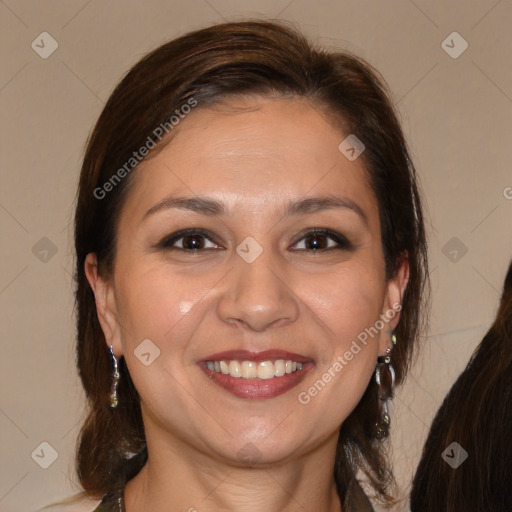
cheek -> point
(348, 305)
(346, 302)
(156, 303)
(161, 307)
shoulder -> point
(73, 504)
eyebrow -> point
(207, 206)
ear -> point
(106, 306)
(392, 304)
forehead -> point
(250, 153)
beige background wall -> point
(457, 114)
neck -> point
(180, 478)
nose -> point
(258, 295)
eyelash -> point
(343, 243)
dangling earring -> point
(115, 380)
(385, 379)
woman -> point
(466, 462)
(250, 244)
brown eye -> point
(322, 240)
(189, 240)
(193, 242)
(316, 242)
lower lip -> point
(256, 388)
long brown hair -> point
(477, 415)
(209, 65)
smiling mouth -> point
(256, 375)
(251, 369)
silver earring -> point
(115, 380)
(385, 379)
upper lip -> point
(256, 356)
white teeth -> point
(251, 370)
(279, 368)
(266, 370)
(234, 369)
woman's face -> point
(249, 283)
